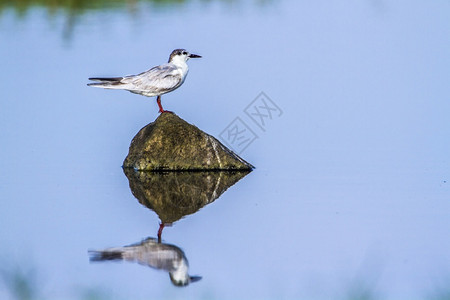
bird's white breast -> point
(182, 68)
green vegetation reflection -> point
(78, 6)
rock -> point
(170, 143)
(173, 195)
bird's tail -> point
(106, 82)
(105, 255)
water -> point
(350, 196)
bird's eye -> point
(184, 53)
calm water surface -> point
(350, 198)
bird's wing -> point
(153, 254)
(158, 79)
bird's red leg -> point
(161, 227)
(161, 109)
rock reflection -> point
(154, 254)
(173, 195)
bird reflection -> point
(154, 254)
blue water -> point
(350, 196)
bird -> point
(150, 252)
(157, 81)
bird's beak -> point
(194, 56)
(195, 278)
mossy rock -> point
(170, 143)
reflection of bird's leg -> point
(161, 227)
